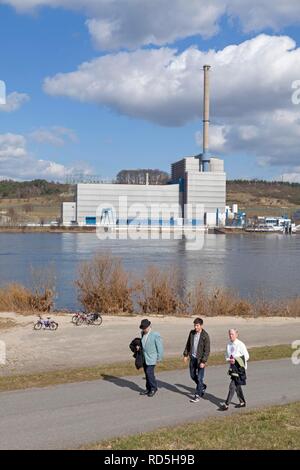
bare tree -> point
(139, 176)
(43, 288)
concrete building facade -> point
(195, 196)
(68, 213)
(126, 204)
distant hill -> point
(26, 189)
(37, 201)
(41, 200)
(264, 197)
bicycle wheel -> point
(37, 326)
(74, 318)
(53, 325)
(79, 321)
(98, 321)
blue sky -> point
(138, 102)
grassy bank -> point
(122, 369)
(276, 427)
(263, 197)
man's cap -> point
(144, 324)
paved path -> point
(70, 415)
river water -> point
(250, 264)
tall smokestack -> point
(206, 97)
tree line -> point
(27, 189)
(139, 176)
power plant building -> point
(196, 194)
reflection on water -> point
(250, 264)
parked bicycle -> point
(75, 317)
(88, 318)
(47, 324)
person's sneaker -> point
(224, 406)
(241, 405)
(144, 392)
(195, 399)
(152, 393)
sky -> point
(97, 86)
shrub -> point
(104, 286)
(160, 293)
(19, 299)
(222, 302)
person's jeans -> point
(151, 383)
(197, 375)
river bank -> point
(29, 351)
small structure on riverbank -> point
(272, 224)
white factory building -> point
(196, 194)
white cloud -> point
(12, 146)
(217, 138)
(257, 15)
(14, 101)
(140, 22)
(56, 136)
(273, 138)
(165, 87)
(16, 162)
(292, 177)
(251, 109)
(150, 84)
(251, 82)
(2, 92)
(132, 23)
(51, 170)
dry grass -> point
(222, 302)
(45, 208)
(15, 298)
(273, 428)
(19, 299)
(264, 198)
(292, 307)
(104, 286)
(159, 293)
(43, 287)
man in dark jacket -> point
(197, 349)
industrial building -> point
(196, 194)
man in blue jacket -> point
(152, 353)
